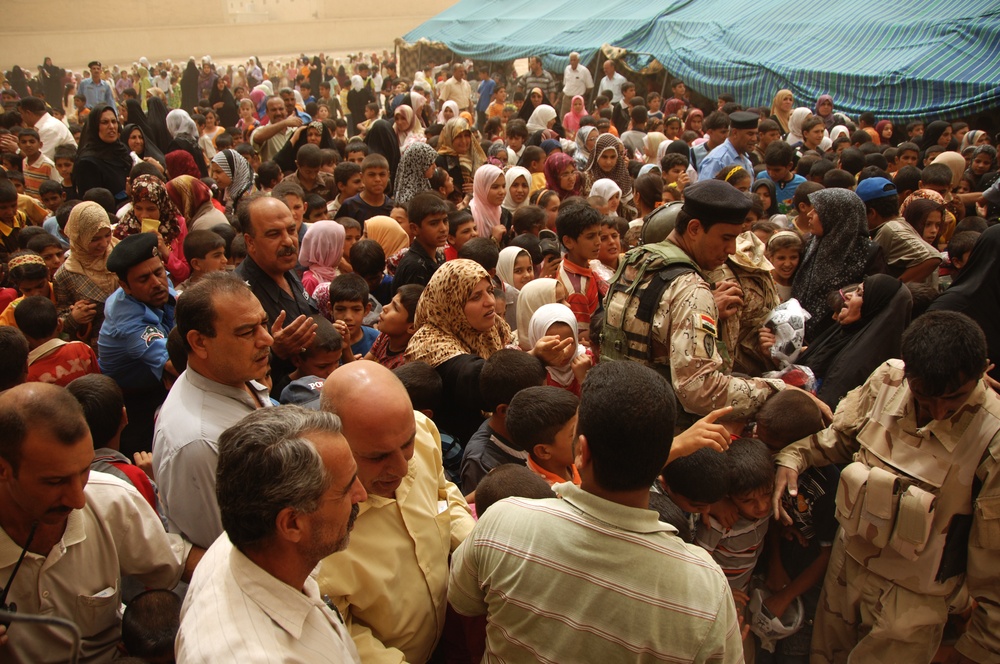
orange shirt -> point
(552, 478)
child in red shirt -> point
(50, 359)
(579, 230)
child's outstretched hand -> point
(706, 432)
(581, 365)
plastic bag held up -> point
(788, 323)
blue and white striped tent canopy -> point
(899, 58)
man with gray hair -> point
(577, 80)
(288, 492)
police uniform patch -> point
(151, 334)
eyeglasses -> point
(568, 174)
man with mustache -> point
(82, 531)
(223, 329)
(391, 585)
(269, 268)
(132, 345)
(288, 492)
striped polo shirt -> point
(582, 579)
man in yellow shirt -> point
(391, 584)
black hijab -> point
(156, 119)
(18, 81)
(316, 76)
(189, 87)
(229, 114)
(845, 355)
(381, 139)
(836, 259)
(931, 135)
(101, 164)
(976, 292)
(285, 158)
(150, 149)
(137, 116)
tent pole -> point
(593, 95)
(663, 90)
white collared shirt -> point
(235, 611)
(115, 533)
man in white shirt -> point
(51, 132)
(612, 81)
(81, 531)
(224, 329)
(576, 81)
(457, 89)
(288, 492)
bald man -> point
(391, 584)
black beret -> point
(715, 201)
(131, 251)
(743, 120)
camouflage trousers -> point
(864, 618)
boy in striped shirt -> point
(736, 549)
(37, 168)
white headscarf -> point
(179, 123)
(535, 293)
(357, 83)
(545, 317)
(606, 188)
(505, 263)
(540, 118)
(448, 104)
(838, 131)
(795, 121)
(512, 174)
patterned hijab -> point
(471, 160)
(410, 179)
(149, 188)
(236, 167)
(85, 221)
(555, 164)
(619, 174)
(443, 330)
(188, 193)
(834, 260)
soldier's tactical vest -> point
(644, 273)
(905, 504)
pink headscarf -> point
(571, 121)
(322, 249)
(487, 216)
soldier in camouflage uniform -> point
(683, 331)
(919, 506)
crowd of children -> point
(545, 207)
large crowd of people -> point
(261, 329)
